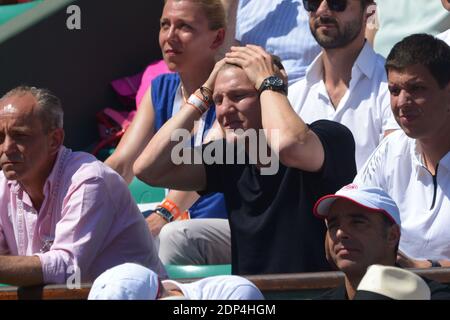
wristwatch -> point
(163, 213)
(435, 263)
(273, 83)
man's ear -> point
(394, 235)
(328, 254)
(371, 12)
(219, 39)
(56, 139)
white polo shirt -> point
(445, 36)
(365, 108)
(424, 201)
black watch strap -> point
(435, 263)
(164, 213)
(273, 83)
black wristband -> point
(435, 264)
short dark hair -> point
(422, 49)
(275, 59)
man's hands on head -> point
(257, 63)
(212, 77)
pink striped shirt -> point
(88, 221)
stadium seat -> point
(104, 153)
(197, 271)
(10, 11)
(143, 193)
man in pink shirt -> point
(63, 214)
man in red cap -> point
(363, 226)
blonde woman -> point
(191, 33)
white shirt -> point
(401, 18)
(217, 288)
(445, 36)
(365, 108)
(397, 167)
(282, 28)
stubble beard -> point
(338, 39)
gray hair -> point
(49, 105)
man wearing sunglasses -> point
(280, 27)
(346, 83)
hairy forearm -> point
(277, 114)
(21, 270)
(297, 146)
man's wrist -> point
(164, 213)
(273, 83)
(201, 99)
(434, 264)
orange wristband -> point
(184, 216)
(171, 207)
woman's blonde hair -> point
(214, 12)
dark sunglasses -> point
(334, 5)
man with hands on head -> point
(270, 214)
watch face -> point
(275, 81)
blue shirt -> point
(164, 88)
(281, 27)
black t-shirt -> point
(438, 291)
(273, 229)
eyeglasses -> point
(334, 5)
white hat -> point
(385, 283)
(371, 198)
(128, 281)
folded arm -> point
(21, 271)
